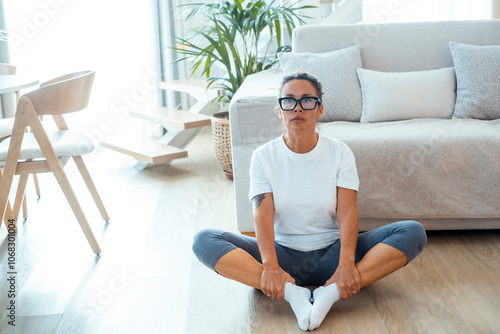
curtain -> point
(7, 101)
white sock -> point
(324, 298)
(299, 297)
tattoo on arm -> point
(257, 200)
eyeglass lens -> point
(307, 103)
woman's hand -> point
(347, 279)
(273, 283)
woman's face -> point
(299, 119)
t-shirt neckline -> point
(312, 153)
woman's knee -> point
(203, 241)
(416, 238)
(417, 230)
(210, 245)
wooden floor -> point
(148, 281)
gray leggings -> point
(313, 267)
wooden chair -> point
(6, 125)
(39, 151)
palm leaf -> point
(231, 36)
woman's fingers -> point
(269, 284)
(277, 291)
(344, 292)
(348, 289)
(283, 278)
(273, 283)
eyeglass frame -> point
(316, 100)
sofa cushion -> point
(393, 96)
(478, 81)
(336, 70)
(425, 168)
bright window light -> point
(117, 39)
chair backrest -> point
(7, 69)
(65, 94)
(64, 77)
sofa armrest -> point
(252, 113)
(253, 122)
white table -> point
(9, 84)
(14, 82)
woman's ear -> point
(320, 111)
(278, 110)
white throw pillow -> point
(393, 96)
(336, 71)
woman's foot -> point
(324, 298)
(299, 297)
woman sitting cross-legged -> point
(303, 187)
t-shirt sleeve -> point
(259, 181)
(347, 176)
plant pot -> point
(222, 142)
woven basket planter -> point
(222, 142)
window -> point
(118, 39)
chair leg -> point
(91, 186)
(37, 186)
(9, 214)
(57, 169)
(77, 209)
(23, 181)
(25, 208)
(20, 194)
(10, 169)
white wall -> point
(425, 10)
(117, 38)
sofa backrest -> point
(398, 47)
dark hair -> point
(302, 75)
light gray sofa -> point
(442, 172)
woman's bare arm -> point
(273, 278)
(263, 211)
(347, 276)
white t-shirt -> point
(304, 188)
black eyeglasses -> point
(307, 103)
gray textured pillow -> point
(478, 81)
(336, 70)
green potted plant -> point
(238, 38)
